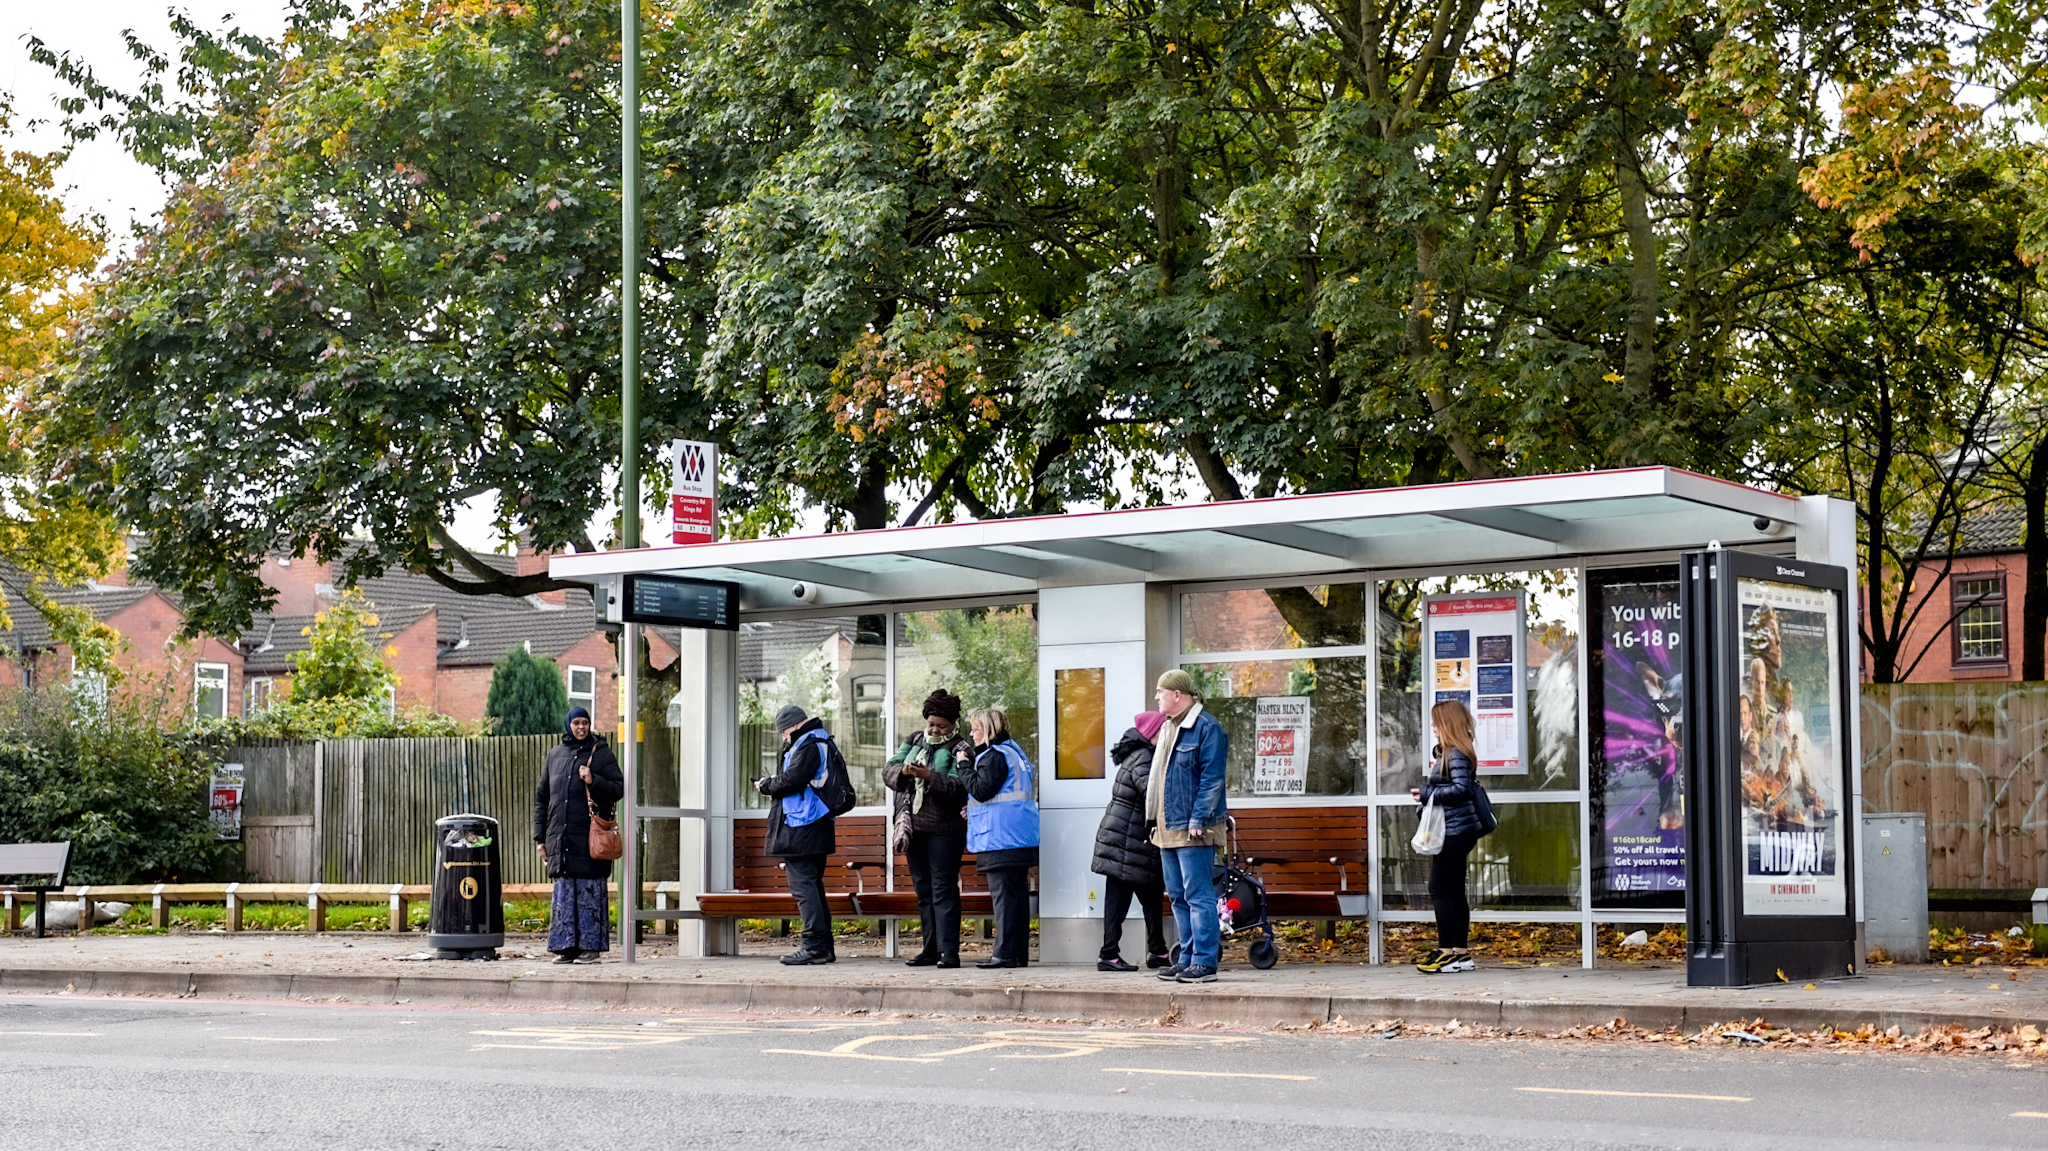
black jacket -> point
(1122, 849)
(561, 817)
(983, 778)
(1452, 785)
(816, 838)
(944, 811)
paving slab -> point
(373, 968)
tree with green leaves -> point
(911, 260)
(527, 696)
(341, 659)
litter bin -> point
(467, 920)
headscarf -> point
(575, 713)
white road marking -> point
(277, 1038)
(53, 1034)
(1207, 1074)
(1638, 1094)
(2030, 1115)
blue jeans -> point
(1191, 884)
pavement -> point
(386, 969)
(280, 1076)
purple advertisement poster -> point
(1639, 833)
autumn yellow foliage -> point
(44, 255)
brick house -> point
(1969, 619)
(442, 644)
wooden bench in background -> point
(1312, 860)
(855, 883)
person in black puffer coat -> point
(1453, 784)
(579, 929)
(1124, 854)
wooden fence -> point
(1970, 756)
(363, 810)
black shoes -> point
(925, 959)
(802, 958)
(943, 964)
(1116, 964)
(990, 963)
(1155, 962)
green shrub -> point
(527, 695)
(130, 796)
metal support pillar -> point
(629, 818)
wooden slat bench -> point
(854, 885)
(1313, 861)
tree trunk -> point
(2034, 609)
(1639, 364)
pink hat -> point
(1148, 723)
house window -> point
(210, 691)
(1979, 608)
(257, 695)
(583, 688)
(869, 694)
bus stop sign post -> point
(1770, 844)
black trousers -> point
(1447, 890)
(935, 872)
(1009, 889)
(1116, 904)
(807, 883)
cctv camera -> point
(1768, 526)
(807, 592)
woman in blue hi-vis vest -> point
(1002, 830)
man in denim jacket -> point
(1184, 803)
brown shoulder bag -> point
(604, 833)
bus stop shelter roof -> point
(1538, 520)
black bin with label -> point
(468, 916)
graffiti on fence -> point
(1971, 757)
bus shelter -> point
(1319, 627)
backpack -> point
(837, 791)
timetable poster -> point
(1792, 753)
(1473, 649)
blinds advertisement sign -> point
(1791, 751)
(1474, 649)
(1280, 766)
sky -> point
(100, 179)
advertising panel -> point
(1474, 646)
(1792, 753)
(1639, 781)
(1280, 765)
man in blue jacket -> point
(800, 827)
(1184, 804)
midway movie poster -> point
(1639, 786)
(1791, 753)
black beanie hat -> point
(944, 705)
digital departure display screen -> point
(682, 602)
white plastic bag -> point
(1429, 835)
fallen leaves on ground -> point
(1758, 1032)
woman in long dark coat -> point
(1124, 854)
(580, 928)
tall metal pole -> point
(629, 453)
